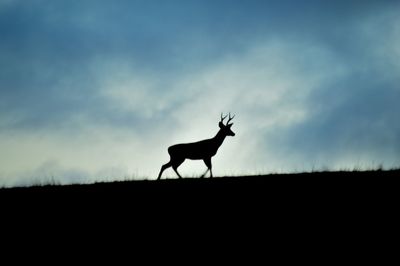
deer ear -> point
(229, 125)
(221, 125)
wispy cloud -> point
(101, 91)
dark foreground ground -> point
(323, 207)
(279, 188)
(332, 216)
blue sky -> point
(97, 90)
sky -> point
(97, 90)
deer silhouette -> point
(201, 150)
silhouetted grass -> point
(284, 199)
(256, 182)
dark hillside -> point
(325, 203)
(276, 187)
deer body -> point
(201, 150)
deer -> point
(201, 150)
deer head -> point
(226, 129)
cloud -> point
(354, 120)
(100, 91)
(269, 79)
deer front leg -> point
(207, 161)
(203, 175)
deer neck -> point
(219, 138)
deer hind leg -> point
(165, 166)
(207, 161)
(175, 164)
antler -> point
(222, 118)
(230, 118)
